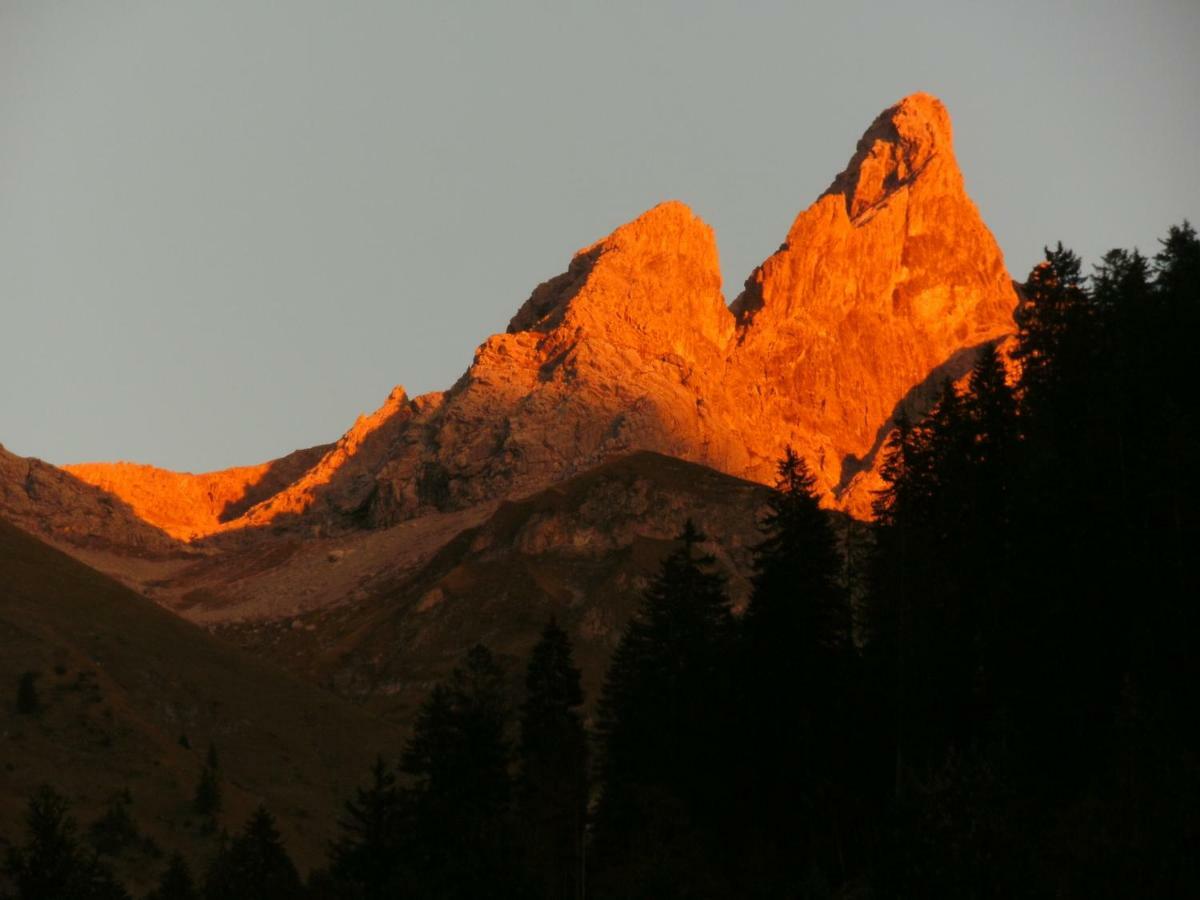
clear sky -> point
(226, 228)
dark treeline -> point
(1001, 707)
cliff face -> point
(63, 509)
(884, 286)
(618, 353)
(187, 506)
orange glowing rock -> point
(885, 285)
(187, 506)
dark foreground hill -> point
(120, 682)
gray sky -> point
(226, 228)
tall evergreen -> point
(921, 592)
(28, 702)
(553, 769)
(797, 679)
(254, 864)
(460, 841)
(797, 568)
(176, 882)
(1054, 326)
(368, 851)
(207, 799)
(661, 812)
(52, 864)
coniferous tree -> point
(207, 799)
(918, 588)
(798, 679)
(797, 568)
(368, 853)
(28, 702)
(254, 864)
(115, 830)
(986, 545)
(1053, 339)
(51, 864)
(552, 778)
(460, 841)
(1028, 607)
(176, 882)
(660, 809)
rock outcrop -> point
(332, 478)
(67, 511)
(617, 354)
(188, 506)
(883, 287)
(887, 284)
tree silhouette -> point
(797, 656)
(51, 864)
(552, 778)
(368, 852)
(661, 731)
(207, 799)
(176, 882)
(460, 840)
(115, 830)
(254, 864)
(28, 702)
(797, 568)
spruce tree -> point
(924, 620)
(552, 778)
(1052, 339)
(367, 853)
(797, 568)
(460, 842)
(176, 882)
(28, 702)
(115, 831)
(51, 864)
(207, 799)
(798, 681)
(661, 735)
(254, 864)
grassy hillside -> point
(119, 682)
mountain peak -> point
(887, 283)
(893, 151)
(669, 220)
(656, 270)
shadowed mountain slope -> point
(67, 511)
(582, 551)
(121, 680)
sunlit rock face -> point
(187, 506)
(328, 481)
(57, 506)
(884, 286)
(619, 353)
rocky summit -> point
(884, 286)
(887, 284)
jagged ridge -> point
(886, 283)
